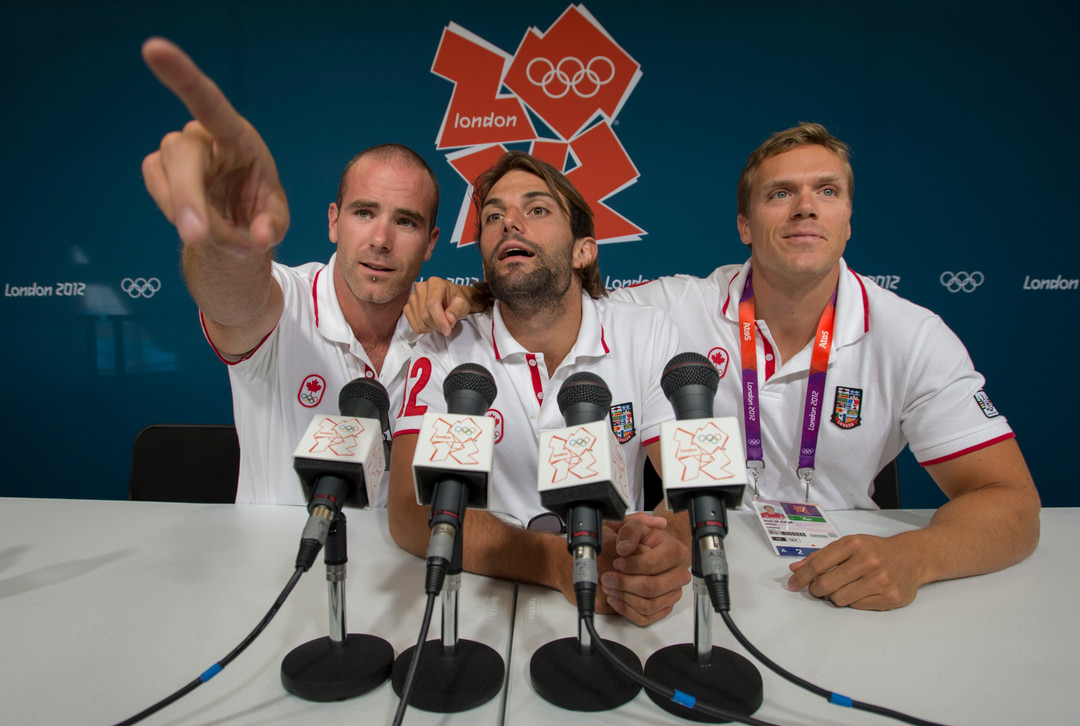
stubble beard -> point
(527, 293)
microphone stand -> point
(720, 676)
(571, 673)
(341, 665)
(454, 675)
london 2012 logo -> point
(574, 78)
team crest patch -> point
(847, 409)
(719, 358)
(622, 421)
(987, 406)
(311, 391)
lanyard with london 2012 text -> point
(815, 389)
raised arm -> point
(217, 183)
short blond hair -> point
(805, 134)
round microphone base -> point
(450, 680)
(729, 681)
(565, 676)
(331, 670)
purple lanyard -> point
(815, 388)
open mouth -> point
(514, 249)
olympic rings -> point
(578, 442)
(707, 439)
(140, 287)
(962, 281)
(565, 82)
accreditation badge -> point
(794, 529)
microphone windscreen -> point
(469, 388)
(689, 369)
(364, 398)
(584, 397)
(584, 387)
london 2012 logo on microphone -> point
(574, 78)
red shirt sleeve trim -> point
(223, 359)
(970, 449)
(653, 440)
(406, 431)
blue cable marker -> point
(839, 700)
(210, 672)
(684, 699)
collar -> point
(852, 306)
(590, 341)
(330, 321)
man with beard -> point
(546, 318)
(794, 318)
(291, 336)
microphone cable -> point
(721, 602)
(833, 698)
(684, 699)
(220, 665)
(586, 604)
(410, 676)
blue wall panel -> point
(959, 115)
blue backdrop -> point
(959, 115)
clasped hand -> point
(643, 569)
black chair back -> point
(185, 463)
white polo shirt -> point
(897, 376)
(626, 345)
(297, 373)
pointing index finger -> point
(177, 72)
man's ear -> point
(433, 238)
(585, 252)
(332, 218)
(744, 229)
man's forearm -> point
(490, 546)
(991, 520)
(978, 532)
(230, 291)
(493, 547)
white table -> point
(109, 606)
(997, 649)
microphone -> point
(452, 462)
(451, 471)
(340, 460)
(582, 476)
(699, 476)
